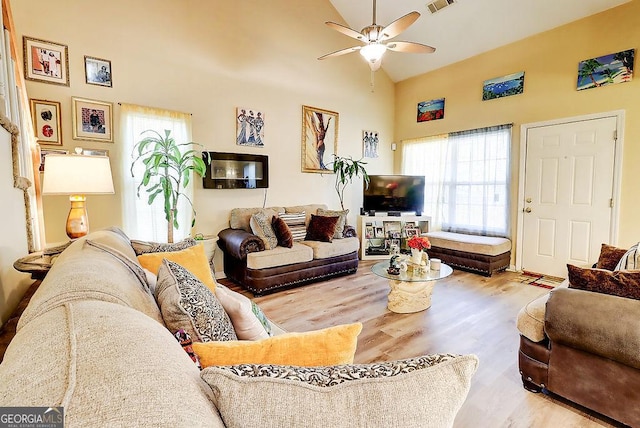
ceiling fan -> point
(377, 39)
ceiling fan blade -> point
(345, 30)
(341, 52)
(410, 47)
(399, 25)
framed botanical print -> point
(45, 61)
(97, 71)
(92, 120)
(46, 121)
(319, 139)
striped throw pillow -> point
(631, 259)
(295, 221)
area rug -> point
(539, 280)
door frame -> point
(617, 172)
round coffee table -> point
(410, 293)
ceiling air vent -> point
(439, 5)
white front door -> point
(568, 194)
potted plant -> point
(346, 169)
(167, 172)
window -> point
(467, 179)
(141, 220)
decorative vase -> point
(416, 256)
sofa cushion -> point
(282, 231)
(342, 220)
(280, 256)
(107, 365)
(321, 228)
(338, 247)
(84, 271)
(487, 245)
(186, 303)
(617, 283)
(418, 392)
(192, 258)
(240, 217)
(630, 260)
(329, 346)
(609, 257)
(296, 223)
(249, 322)
(261, 227)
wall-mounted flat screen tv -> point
(394, 193)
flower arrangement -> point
(419, 242)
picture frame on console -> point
(45, 152)
(92, 120)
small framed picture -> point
(46, 121)
(379, 232)
(45, 152)
(45, 61)
(95, 152)
(368, 232)
(97, 71)
(411, 233)
(92, 120)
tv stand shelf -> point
(378, 233)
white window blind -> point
(141, 220)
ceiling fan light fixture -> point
(373, 52)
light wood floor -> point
(469, 314)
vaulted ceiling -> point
(464, 29)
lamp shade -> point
(77, 175)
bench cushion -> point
(487, 245)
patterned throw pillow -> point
(247, 318)
(144, 247)
(616, 283)
(421, 392)
(342, 221)
(186, 303)
(285, 238)
(630, 260)
(321, 228)
(261, 226)
(609, 257)
(296, 224)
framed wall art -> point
(505, 86)
(47, 124)
(249, 127)
(606, 70)
(92, 120)
(97, 71)
(319, 139)
(45, 61)
(370, 143)
(431, 110)
(45, 152)
(95, 152)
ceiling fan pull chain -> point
(373, 80)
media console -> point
(378, 234)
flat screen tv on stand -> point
(394, 194)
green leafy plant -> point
(346, 169)
(167, 172)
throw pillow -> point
(342, 220)
(424, 392)
(609, 257)
(329, 346)
(296, 224)
(285, 238)
(247, 318)
(261, 226)
(193, 259)
(144, 247)
(617, 283)
(630, 260)
(321, 228)
(185, 303)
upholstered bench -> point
(481, 254)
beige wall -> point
(207, 58)
(550, 61)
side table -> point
(36, 264)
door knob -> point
(527, 210)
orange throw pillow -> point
(326, 347)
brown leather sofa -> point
(585, 347)
(244, 253)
